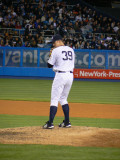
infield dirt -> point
(76, 109)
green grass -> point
(95, 92)
(40, 90)
(11, 121)
(24, 89)
(52, 152)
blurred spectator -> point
(18, 26)
(81, 26)
(78, 17)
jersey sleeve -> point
(52, 58)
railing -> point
(22, 31)
(34, 32)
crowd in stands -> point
(32, 23)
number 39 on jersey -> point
(67, 55)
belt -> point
(64, 71)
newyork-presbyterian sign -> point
(97, 73)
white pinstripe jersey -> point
(62, 58)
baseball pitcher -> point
(62, 61)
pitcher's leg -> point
(65, 93)
(65, 108)
(63, 99)
(53, 111)
(57, 89)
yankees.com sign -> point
(31, 58)
(97, 60)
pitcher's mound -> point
(74, 136)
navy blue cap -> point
(56, 38)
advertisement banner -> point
(1, 57)
(30, 57)
(96, 73)
(38, 57)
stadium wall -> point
(22, 61)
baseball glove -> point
(51, 52)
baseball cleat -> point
(65, 124)
(48, 125)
